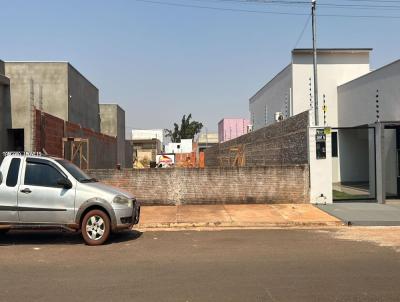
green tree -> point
(187, 130)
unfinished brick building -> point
(53, 108)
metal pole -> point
(314, 34)
(206, 137)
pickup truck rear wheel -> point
(95, 227)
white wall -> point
(357, 99)
(357, 106)
(292, 85)
(334, 69)
(320, 171)
(390, 161)
(272, 95)
(354, 155)
(139, 134)
(185, 146)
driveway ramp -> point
(364, 214)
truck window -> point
(39, 174)
(77, 173)
(12, 175)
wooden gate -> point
(76, 150)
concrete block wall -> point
(83, 100)
(283, 143)
(112, 122)
(128, 154)
(5, 109)
(54, 87)
(40, 84)
(273, 184)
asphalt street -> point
(229, 265)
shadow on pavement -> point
(124, 236)
(55, 237)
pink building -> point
(229, 128)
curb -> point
(224, 225)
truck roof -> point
(28, 154)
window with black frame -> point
(40, 174)
(12, 175)
(334, 144)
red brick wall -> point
(201, 159)
(273, 184)
(74, 130)
(49, 131)
(187, 160)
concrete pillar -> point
(320, 170)
(371, 161)
(380, 163)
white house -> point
(184, 146)
(362, 109)
(372, 104)
(289, 91)
(148, 134)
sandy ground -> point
(381, 236)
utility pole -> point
(314, 39)
(206, 137)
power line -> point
(359, 6)
(360, 16)
(255, 2)
(302, 32)
(277, 1)
(221, 8)
(306, 4)
(373, 1)
(266, 12)
(268, 1)
(377, 4)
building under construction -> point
(51, 107)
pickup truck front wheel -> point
(95, 227)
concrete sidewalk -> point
(189, 216)
(365, 214)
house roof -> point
(53, 62)
(331, 50)
(251, 100)
(371, 73)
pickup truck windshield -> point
(77, 173)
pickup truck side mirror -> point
(65, 183)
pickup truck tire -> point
(96, 227)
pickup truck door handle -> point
(26, 191)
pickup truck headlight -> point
(121, 200)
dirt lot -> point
(382, 236)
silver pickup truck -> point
(40, 191)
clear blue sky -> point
(162, 61)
